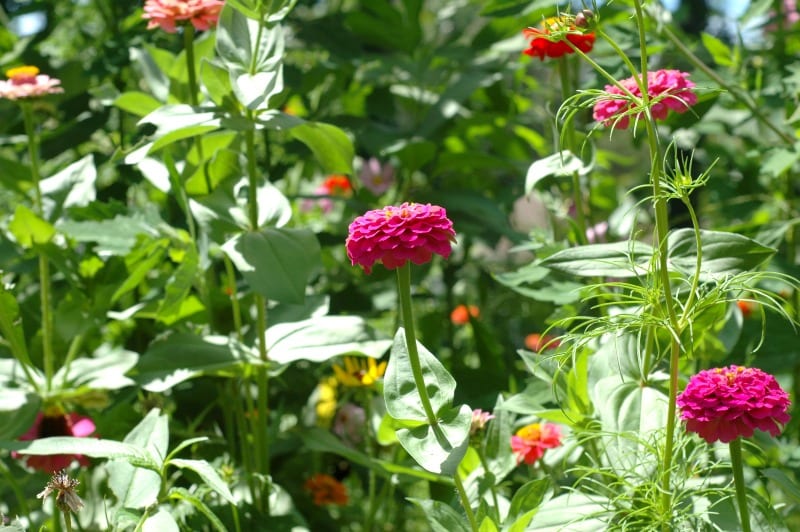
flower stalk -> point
(738, 479)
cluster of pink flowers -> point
(668, 90)
(168, 14)
(531, 441)
(725, 403)
(58, 424)
(395, 235)
(26, 82)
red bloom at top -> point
(395, 235)
(168, 14)
(668, 90)
(46, 426)
(531, 441)
(725, 403)
(549, 41)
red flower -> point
(531, 441)
(337, 185)
(395, 235)
(202, 14)
(461, 314)
(537, 342)
(549, 41)
(46, 426)
(746, 307)
(326, 490)
(725, 403)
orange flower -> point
(337, 185)
(326, 490)
(747, 307)
(461, 314)
(549, 41)
(538, 342)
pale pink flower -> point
(395, 235)
(349, 423)
(375, 177)
(168, 14)
(26, 82)
(668, 90)
(479, 421)
(46, 426)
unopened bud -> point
(583, 18)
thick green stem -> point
(569, 135)
(194, 90)
(462, 494)
(493, 488)
(67, 520)
(45, 297)
(738, 480)
(234, 296)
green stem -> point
(735, 91)
(72, 352)
(738, 479)
(67, 520)
(194, 90)
(493, 488)
(234, 296)
(370, 448)
(577, 195)
(462, 494)
(45, 297)
(698, 263)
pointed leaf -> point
(330, 145)
(620, 259)
(441, 517)
(208, 474)
(724, 254)
(320, 339)
(29, 229)
(439, 451)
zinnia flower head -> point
(461, 314)
(668, 90)
(550, 39)
(326, 490)
(538, 342)
(168, 14)
(395, 235)
(725, 403)
(334, 185)
(479, 421)
(26, 82)
(60, 424)
(531, 441)
(375, 177)
(359, 372)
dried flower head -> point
(359, 372)
(667, 89)
(725, 403)
(168, 14)
(462, 313)
(551, 39)
(395, 235)
(479, 421)
(58, 424)
(326, 490)
(26, 82)
(531, 441)
(64, 488)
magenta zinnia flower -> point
(668, 90)
(725, 403)
(395, 235)
(168, 14)
(46, 426)
(26, 82)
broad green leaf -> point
(179, 286)
(208, 474)
(255, 90)
(276, 262)
(161, 521)
(331, 146)
(29, 229)
(574, 511)
(72, 186)
(528, 497)
(140, 263)
(724, 254)
(93, 447)
(504, 8)
(319, 339)
(498, 434)
(104, 371)
(116, 236)
(11, 326)
(137, 103)
(487, 525)
(620, 259)
(720, 52)
(182, 356)
(154, 76)
(217, 81)
(561, 164)
(180, 121)
(441, 517)
(246, 49)
(18, 410)
(439, 451)
(399, 388)
(786, 484)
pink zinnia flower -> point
(531, 441)
(46, 426)
(26, 82)
(168, 14)
(395, 235)
(725, 403)
(350, 423)
(668, 90)
(479, 421)
(375, 177)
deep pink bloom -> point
(725, 403)
(375, 177)
(531, 441)
(168, 14)
(668, 90)
(395, 235)
(46, 426)
(26, 82)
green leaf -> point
(183, 494)
(179, 286)
(724, 254)
(720, 52)
(161, 521)
(785, 483)
(330, 145)
(18, 410)
(255, 90)
(400, 390)
(178, 122)
(93, 447)
(528, 498)
(574, 511)
(104, 371)
(11, 326)
(319, 339)
(137, 103)
(208, 474)
(487, 525)
(140, 263)
(504, 8)
(244, 48)
(498, 433)
(561, 164)
(113, 237)
(441, 517)
(276, 262)
(620, 259)
(72, 186)
(29, 229)
(439, 450)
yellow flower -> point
(358, 372)
(325, 406)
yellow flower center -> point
(530, 432)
